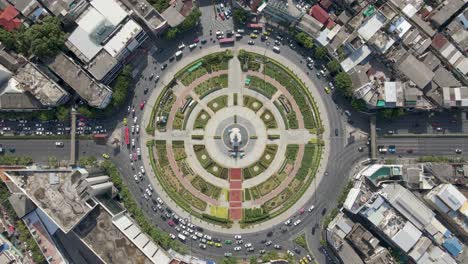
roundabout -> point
(235, 140)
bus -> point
(226, 41)
(255, 26)
(127, 136)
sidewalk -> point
(235, 229)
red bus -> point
(255, 26)
(226, 40)
(127, 136)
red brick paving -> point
(235, 194)
(235, 185)
(235, 174)
(235, 213)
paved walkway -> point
(167, 77)
(235, 194)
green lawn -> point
(206, 188)
(218, 103)
(201, 120)
(211, 85)
(269, 119)
(187, 78)
(252, 103)
(261, 86)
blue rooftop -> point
(453, 246)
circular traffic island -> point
(234, 139)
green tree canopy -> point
(333, 66)
(240, 16)
(344, 83)
(304, 40)
(8, 39)
(121, 87)
(43, 40)
(63, 113)
(320, 53)
(389, 113)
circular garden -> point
(235, 138)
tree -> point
(46, 115)
(8, 39)
(190, 21)
(43, 40)
(320, 53)
(228, 260)
(240, 16)
(87, 112)
(333, 66)
(63, 113)
(344, 83)
(391, 113)
(120, 86)
(253, 260)
(304, 40)
(358, 104)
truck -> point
(181, 237)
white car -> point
(185, 233)
(59, 144)
(133, 142)
(288, 222)
(198, 234)
(202, 246)
(237, 249)
(159, 200)
(190, 225)
(182, 46)
(150, 187)
(133, 129)
(136, 178)
(207, 237)
(192, 46)
(138, 151)
(190, 230)
(135, 119)
(290, 253)
(297, 222)
(248, 245)
(142, 170)
(172, 236)
(268, 243)
(137, 129)
(146, 196)
(194, 237)
(311, 208)
(238, 237)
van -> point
(276, 49)
(181, 237)
(178, 53)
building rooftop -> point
(9, 20)
(337, 230)
(173, 15)
(457, 30)
(31, 80)
(97, 95)
(443, 12)
(55, 192)
(61, 7)
(99, 233)
(145, 10)
(371, 26)
(408, 205)
(415, 70)
(444, 78)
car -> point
(202, 246)
(318, 75)
(227, 241)
(297, 222)
(327, 89)
(198, 234)
(392, 149)
(155, 209)
(137, 129)
(59, 144)
(311, 208)
(196, 40)
(288, 222)
(211, 243)
(185, 233)
(163, 67)
(348, 113)
(105, 155)
(228, 254)
(194, 237)
(131, 156)
(172, 236)
(332, 86)
(277, 43)
(181, 46)
(218, 245)
(150, 187)
(248, 245)
(276, 49)
(336, 132)
(297, 250)
(142, 169)
(133, 143)
(203, 41)
(207, 237)
(253, 36)
(276, 246)
(133, 129)
(290, 253)
(142, 104)
(268, 243)
(138, 152)
(237, 248)
(458, 151)
(360, 149)
(240, 242)
(250, 249)
(146, 196)
(221, 15)
(193, 45)
(238, 237)
(251, 42)
(134, 156)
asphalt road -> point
(425, 146)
